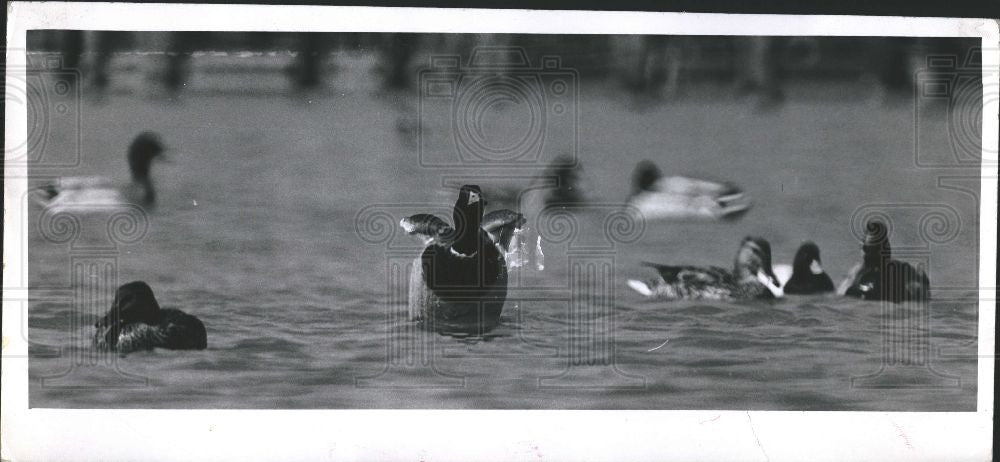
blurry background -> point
(663, 66)
(278, 140)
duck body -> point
(701, 283)
(807, 284)
(459, 282)
(175, 330)
(87, 193)
(807, 275)
(895, 281)
(677, 197)
(879, 277)
(751, 278)
(458, 293)
(136, 322)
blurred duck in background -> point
(879, 277)
(805, 275)
(751, 278)
(567, 174)
(657, 197)
(93, 192)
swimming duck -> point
(751, 278)
(678, 197)
(136, 322)
(459, 283)
(806, 275)
(879, 277)
(81, 193)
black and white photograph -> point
(390, 214)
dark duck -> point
(95, 192)
(750, 278)
(879, 277)
(807, 275)
(459, 283)
(136, 322)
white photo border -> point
(48, 434)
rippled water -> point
(256, 235)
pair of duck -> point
(653, 195)
(877, 277)
(135, 320)
(459, 283)
(752, 276)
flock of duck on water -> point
(459, 282)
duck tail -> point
(44, 194)
(640, 287)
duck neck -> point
(148, 192)
(876, 254)
(467, 221)
(743, 273)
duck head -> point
(753, 261)
(134, 302)
(468, 217)
(807, 259)
(645, 175)
(876, 246)
(144, 149)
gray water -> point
(256, 234)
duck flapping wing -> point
(425, 226)
(501, 225)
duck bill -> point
(769, 274)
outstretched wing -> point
(425, 226)
(501, 224)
